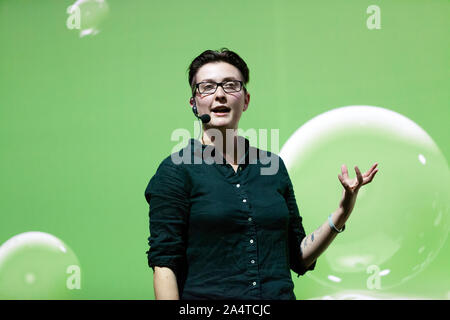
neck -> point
(229, 140)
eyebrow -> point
(224, 79)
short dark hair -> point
(224, 55)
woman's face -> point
(236, 101)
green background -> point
(84, 122)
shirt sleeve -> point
(168, 200)
(296, 231)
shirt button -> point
(245, 200)
(250, 219)
(254, 283)
(251, 240)
(253, 261)
(238, 185)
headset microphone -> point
(205, 117)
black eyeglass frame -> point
(220, 84)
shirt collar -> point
(208, 153)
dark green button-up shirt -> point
(225, 234)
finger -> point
(369, 172)
(370, 178)
(344, 171)
(359, 176)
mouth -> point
(221, 110)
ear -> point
(246, 101)
(191, 101)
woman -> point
(221, 229)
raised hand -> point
(352, 186)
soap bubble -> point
(400, 220)
(87, 16)
(37, 265)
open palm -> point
(354, 184)
(351, 186)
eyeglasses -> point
(211, 87)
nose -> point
(220, 93)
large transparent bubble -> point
(38, 265)
(400, 220)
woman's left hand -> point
(351, 186)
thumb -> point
(341, 179)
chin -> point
(220, 123)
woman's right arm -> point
(168, 197)
(165, 284)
